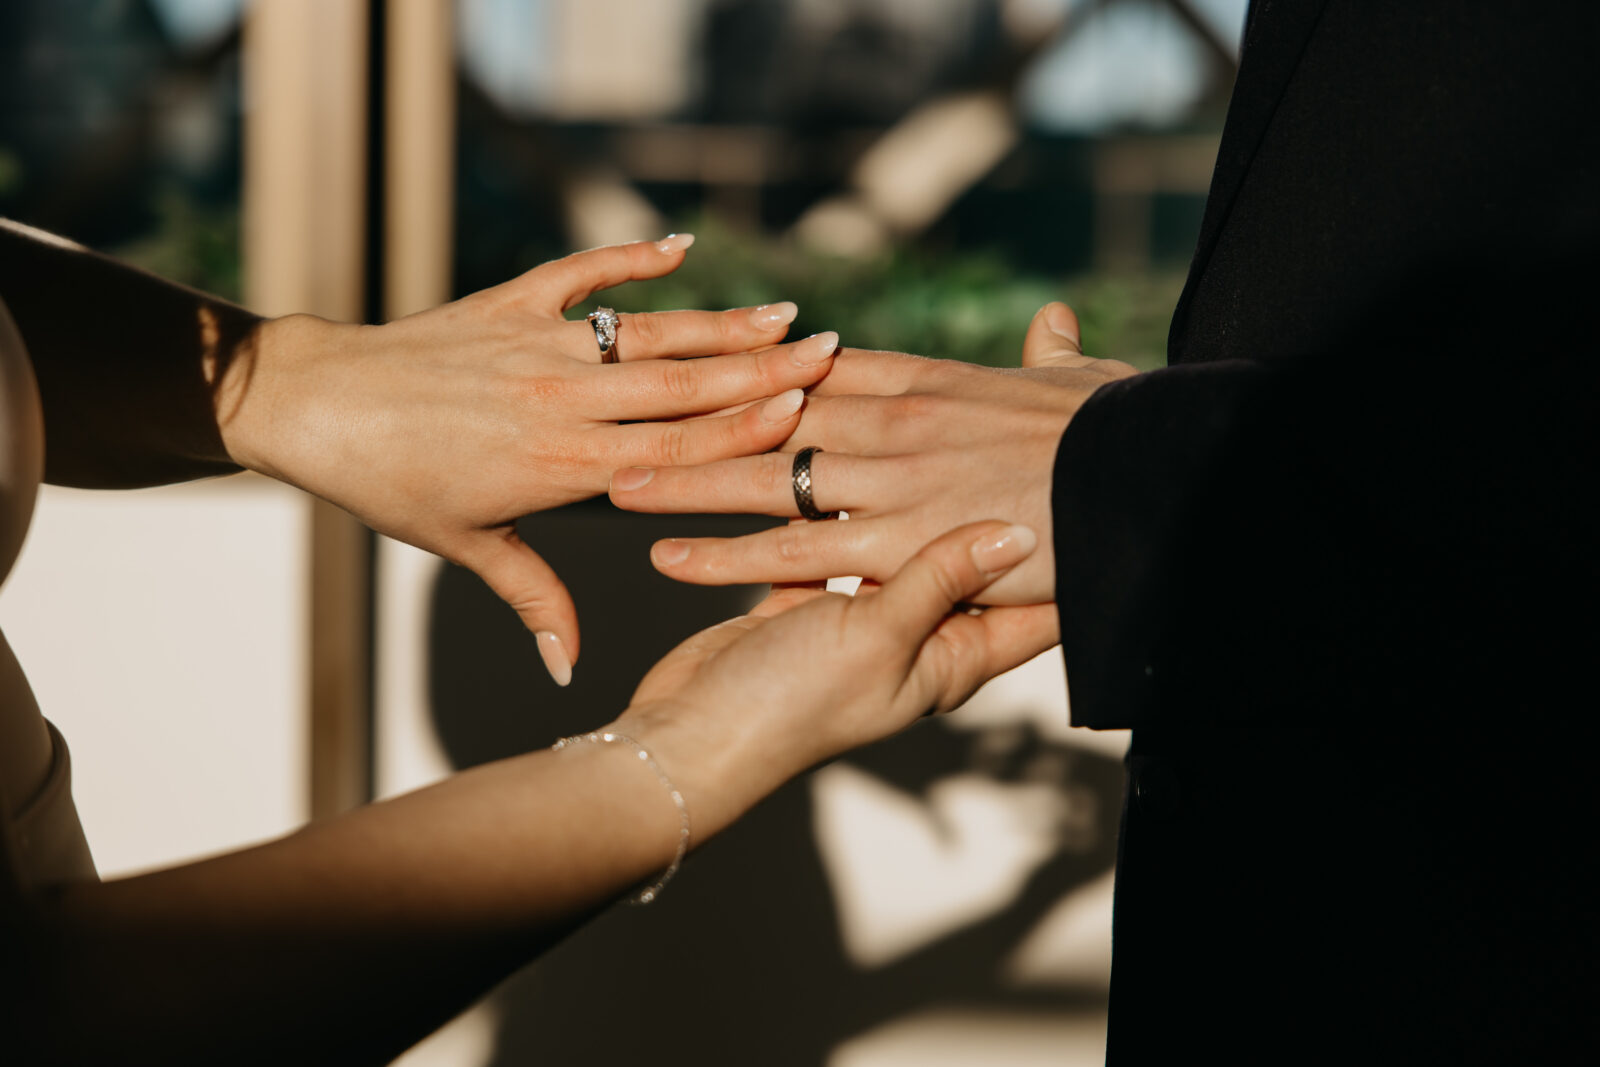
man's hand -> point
(911, 447)
(443, 428)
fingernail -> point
(773, 316)
(814, 349)
(674, 242)
(555, 657)
(630, 478)
(666, 553)
(1060, 322)
(782, 407)
(995, 552)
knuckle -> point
(558, 465)
(730, 325)
(672, 447)
(680, 380)
(948, 648)
(959, 665)
(647, 331)
(944, 567)
(529, 603)
(776, 470)
(916, 407)
(539, 391)
(789, 544)
(755, 376)
(948, 580)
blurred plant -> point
(193, 243)
(10, 171)
(963, 305)
(958, 305)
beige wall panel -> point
(163, 631)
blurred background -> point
(229, 658)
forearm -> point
(127, 363)
(361, 934)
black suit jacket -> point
(1335, 565)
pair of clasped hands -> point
(441, 429)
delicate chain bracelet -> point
(649, 892)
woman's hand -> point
(441, 429)
(738, 709)
(911, 446)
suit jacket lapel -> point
(1275, 38)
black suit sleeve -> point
(1364, 531)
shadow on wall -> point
(743, 960)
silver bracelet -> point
(606, 737)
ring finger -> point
(757, 485)
(655, 334)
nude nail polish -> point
(674, 242)
(1061, 323)
(555, 657)
(773, 316)
(667, 553)
(814, 349)
(782, 407)
(995, 552)
(631, 478)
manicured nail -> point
(666, 553)
(1059, 319)
(995, 552)
(674, 242)
(814, 349)
(555, 657)
(773, 316)
(630, 478)
(782, 407)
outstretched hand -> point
(742, 707)
(911, 446)
(443, 428)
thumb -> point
(1054, 339)
(946, 572)
(520, 577)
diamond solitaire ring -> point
(605, 322)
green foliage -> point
(967, 305)
(970, 306)
(192, 243)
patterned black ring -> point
(800, 476)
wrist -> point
(253, 399)
(721, 775)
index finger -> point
(569, 281)
(861, 370)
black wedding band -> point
(800, 476)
